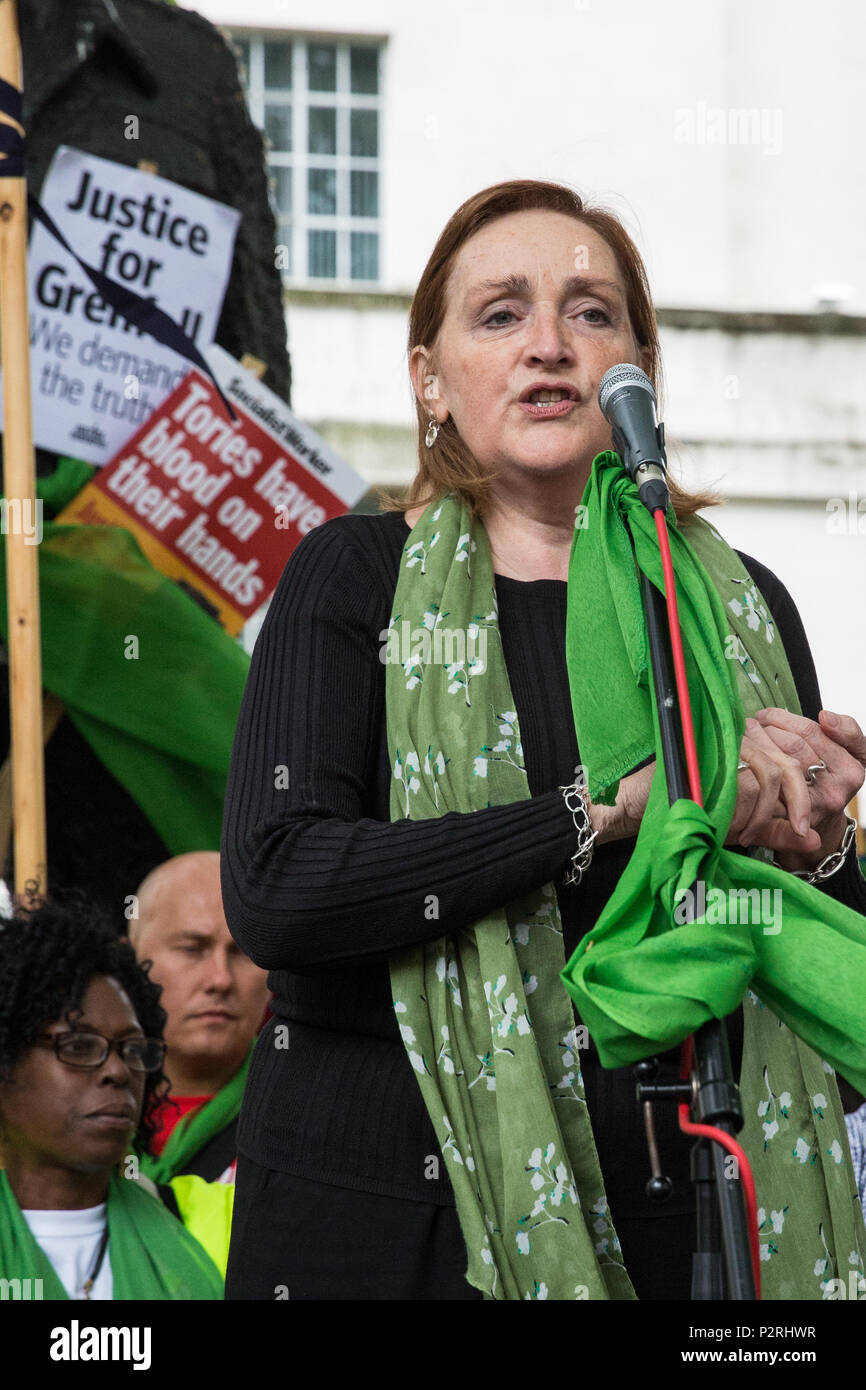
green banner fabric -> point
(150, 680)
(643, 978)
(808, 961)
(152, 1255)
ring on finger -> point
(810, 772)
(742, 764)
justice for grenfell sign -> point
(95, 377)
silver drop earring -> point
(432, 431)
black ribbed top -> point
(320, 886)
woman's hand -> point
(621, 821)
(779, 747)
(776, 806)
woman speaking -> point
(401, 817)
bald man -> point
(215, 999)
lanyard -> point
(97, 1264)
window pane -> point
(364, 132)
(322, 190)
(322, 130)
(322, 254)
(364, 63)
(365, 193)
(278, 126)
(243, 48)
(282, 188)
(278, 65)
(322, 67)
(365, 256)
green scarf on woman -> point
(152, 1255)
(487, 1024)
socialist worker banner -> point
(218, 505)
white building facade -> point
(726, 137)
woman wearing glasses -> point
(81, 1057)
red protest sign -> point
(216, 504)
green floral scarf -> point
(487, 1024)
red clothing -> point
(167, 1115)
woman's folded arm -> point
(309, 876)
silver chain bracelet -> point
(575, 797)
(833, 862)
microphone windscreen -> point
(623, 374)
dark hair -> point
(47, 961)
(448, 465)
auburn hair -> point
(449, 465)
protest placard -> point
(94, 376)
(219, 505)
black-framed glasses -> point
(91, 1050)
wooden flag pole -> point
(19, 489)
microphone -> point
(628, 403)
